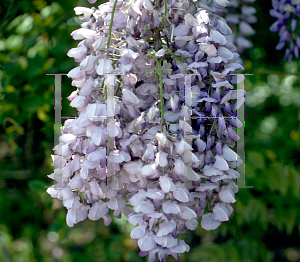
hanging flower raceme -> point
(287, 13)
(137, 146)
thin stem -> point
(161, 92)
(168, 45)
(208, 205)
(117, 90)
(195, 6)
(110, 27)
(164, 17)
(210, 81)
(101, 87)
(212, 126)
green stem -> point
(161, 91)
(164, 17)
(110, 27)
(195, 6)
(117, 90)
(208, 205)
(159, 73)
(102, 85)
(168, 45)
(210, 80)
(215, 121)
(114, 62)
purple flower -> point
(133, 150)
(287, 13)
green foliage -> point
(35, 38)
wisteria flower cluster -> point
(287, 13)
(172, 162)
(239, 14)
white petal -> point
(166, 241)
(187, 213)
(181, 194)
(116, 203)
(147, 243)
(95, 188)
(170, 116)
(219, 213)
(67, 138)
(137, 198)
(129, 96)
(53, 192)
(148, 5)
(178, 249)
(72, 202)
(166, 228)
(98, 210)
(97, 135)
(148, 170)
(161, 159)
(223, 3)
(191, 174)
(211, 171)
(233, 186)
(107, 220)
(136, 219)
(181, 30)
(229, 154)
(144, 207)
(201, 145)
(217, 37)
(224, 53)
(65, 193)
(191, 224)
(87, 87)
(209, 223)
(138, 232)
(221, 163)
(90, 164)
(155, 194)
(97, 155)
(83, 33)
(76, 183)
(104, 66)
(133, 167)
(179, 167)
(227, 196)
(210, 50)
(170, 208)
(166, 184)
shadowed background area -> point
(34, 40)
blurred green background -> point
(34, 40)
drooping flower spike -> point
(159, 181)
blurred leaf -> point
(294, 181)
(256, 159)
(210, 252)
(37, 185)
